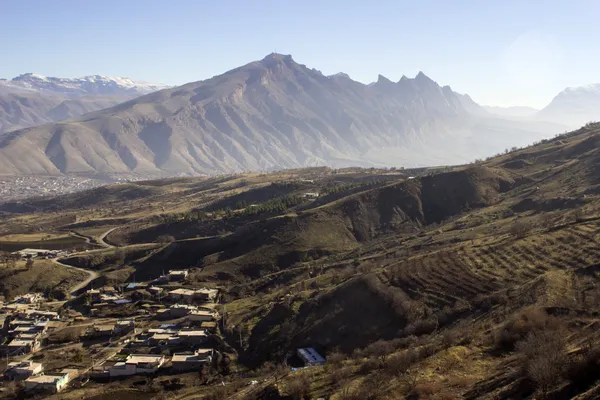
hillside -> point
(476, 281)
(270, 114)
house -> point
(29, 298)
(180, 310)
(201, 316)
(310, 356)
(177, 275)
(99, 331)
(22, 346)
(209, 326)
(21, 370)
(33, 253)
(154, 290)
(137, 364)
(123, 327)
(108, 290)
(184, 295)
(190, 295)
(191, 361)
(193, 337)
(206, 295)
(50, 383)
(160, 338)
(94, 295)
(39, 315)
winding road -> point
(91, 274)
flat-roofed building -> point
(191, 361)
(21, 370)
(22, 346)
(193, 337)
(50, 383)
(202, 315)
(176, 275)
(138, 364)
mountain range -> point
(29, 99)
(269, 114)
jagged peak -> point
(340, 75)
(383, 80)
(422, 77)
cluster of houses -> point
(183, 344)
(145, 364)
(119, 328)
(34, 379)
(38, 253)
(166, 288)
(23, 328)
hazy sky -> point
(520, 52)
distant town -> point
(22, 187)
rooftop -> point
(143, 358)
(28, 365)
(51, 378)
(21, 343)
(192, 333)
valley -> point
(474, 281)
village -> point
(159, 327)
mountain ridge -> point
(30, 99)
(269, 114)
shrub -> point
(584, 369)
(380, 350)
(519, 326)
(399, 363)
(298, 387)
(544, 355)
(336, 359)
(520, 229)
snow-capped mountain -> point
(31, 99)
(79, 87)
(574, 105)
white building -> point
(178, 274)
(137, 364)
(310, 356)
(201, 316)
(52, 383)
(192, 361)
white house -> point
(178, 274)
(201, 316)
(191, 361)
(52, 383)
(138, 364)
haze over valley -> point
(308, 200)
(266, 115)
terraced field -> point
(464, 273)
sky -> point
(499, 52)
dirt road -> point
(91, 276)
